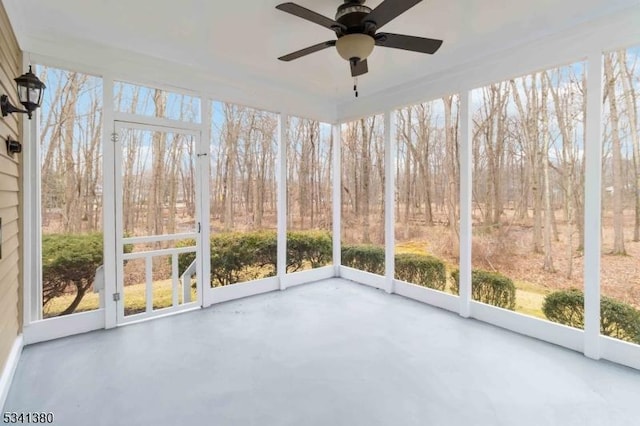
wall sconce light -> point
(30, 90)
(13, 146)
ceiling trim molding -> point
(222, 82)
(612, 32)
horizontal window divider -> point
(159, 238)
(144, 122)
(160, 252)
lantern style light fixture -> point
(30, 90)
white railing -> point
(185, 278)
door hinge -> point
(199, 227)
(114, 137)
(116, 297)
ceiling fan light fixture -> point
(352, 46)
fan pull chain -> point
(355, 85)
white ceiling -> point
(248, 36)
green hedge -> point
(489, 287)
(237, 257)
(617, 319)
(308, 247)
(423, 270)
(70, 260)
(365, 257)
(241, 256)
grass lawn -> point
(529, 299)
(529, 296)
(135, 299)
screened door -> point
(157, 221)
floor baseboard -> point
(9, 369)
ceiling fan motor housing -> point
(355, 26)
(351, 13)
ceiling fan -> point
(356, 27)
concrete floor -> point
(329, 353)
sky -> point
(188, 108)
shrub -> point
(314, 247)
(489, 287)
(234, 253)
(423, 270)
(365, 257)
(565, 307)
(617, 319)
(69, 260)
(239, 256)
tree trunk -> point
(548, 256)
(618, 213)
(568, 167)
(632, 114)
(451, 174)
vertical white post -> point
(31, 223)
(205, 229)
(148, 263)
(186, 288)
(281, 178)
(466, 164)
(336, 137)
(592, 206)
(109, 219)
(389, 198)
(175, 282)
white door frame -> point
(116, 302)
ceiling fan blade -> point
(309, 15)
(405, 42)
(388, 10)
(359, 68)
(307, 51)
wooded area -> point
(528, 173)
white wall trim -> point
(362, 277)
(547, 331)
(241, 290)
(6, 376)
(620, 352)
(427, 296)
(309, 276)
(55, 328)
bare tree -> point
(616, 158)
(548, 212)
